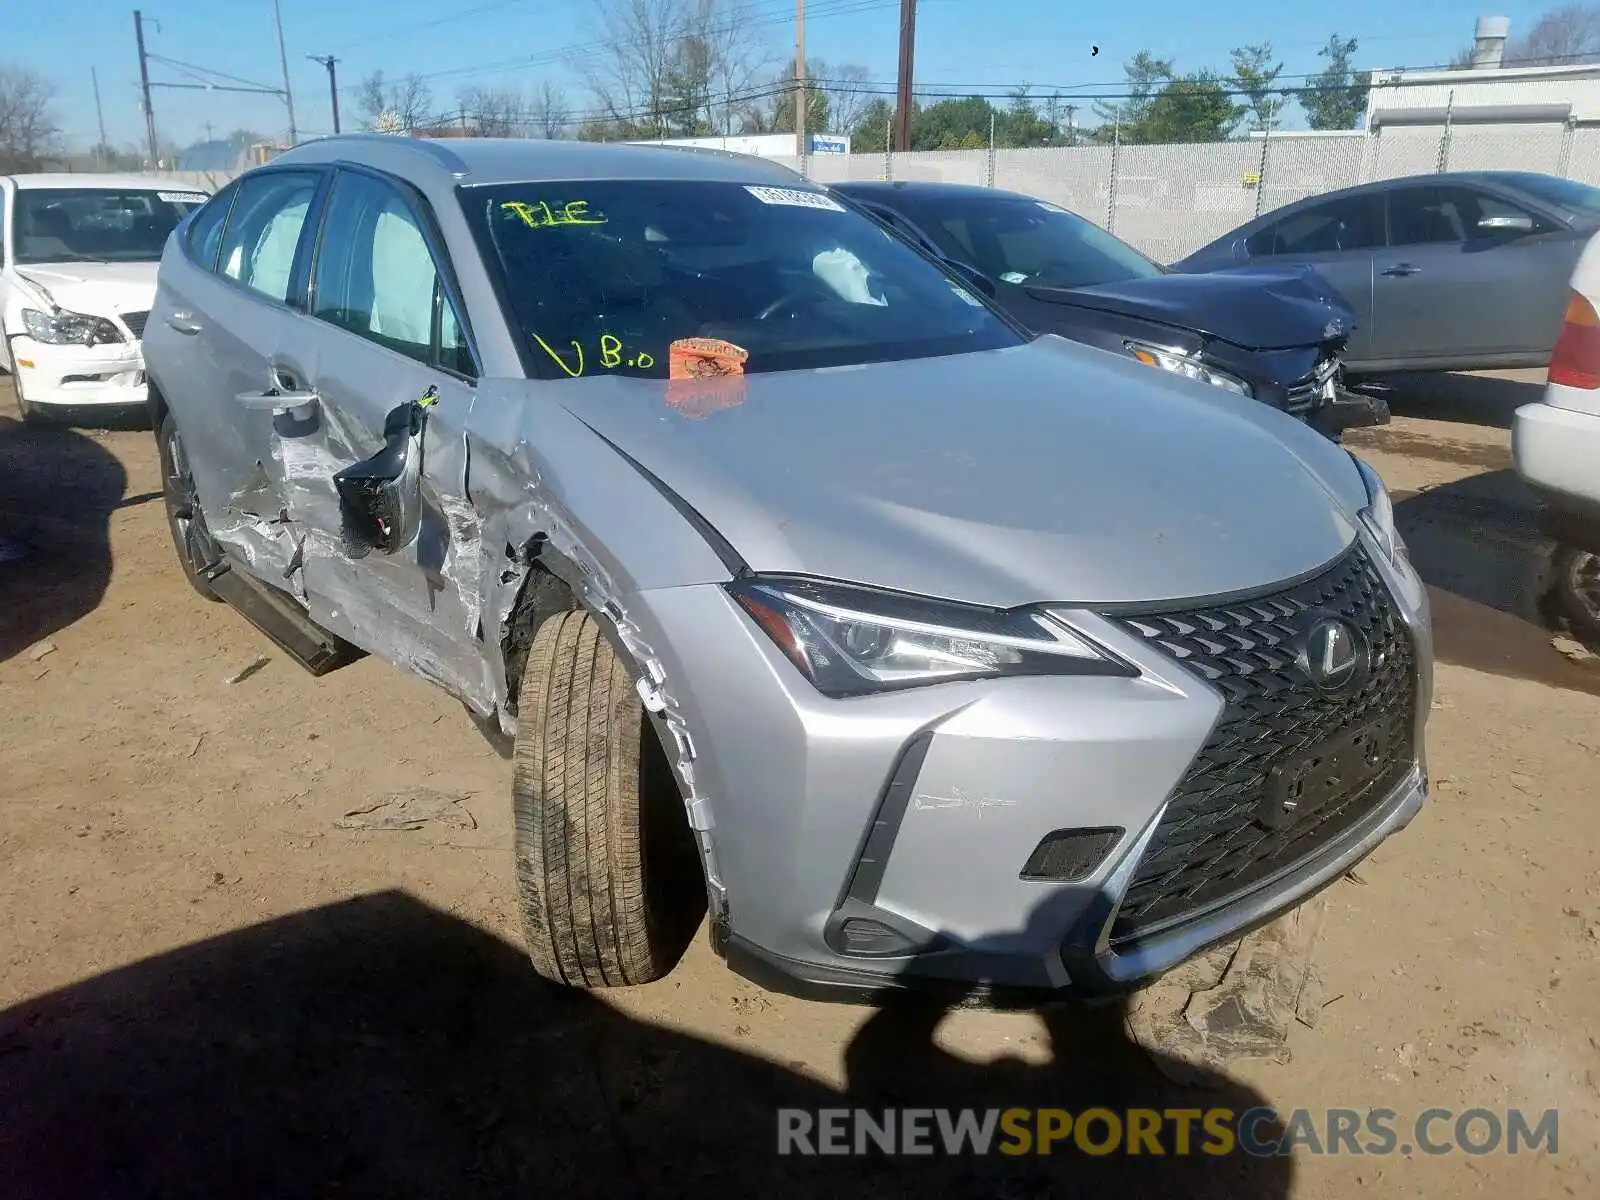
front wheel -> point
(608, 876)
(190, 537)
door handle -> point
(183, 322)
(1402, 269)
(297, 404)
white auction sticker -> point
(794, 196)
(183, 197)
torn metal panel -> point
(532, 468)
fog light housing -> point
(1070, 855)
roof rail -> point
(440, 153)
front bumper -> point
(913, 813)
(1348, 410)
(79, 375)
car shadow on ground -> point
(379, 1047)
(1488, 400)
(1477, 544)
(58, 488)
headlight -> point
(1187, 365)
(63, 328)
(1378, 516)
(851, 640)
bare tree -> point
(550, 112)
(664, 66)
(496, 112)
(28, 129)
(396, 105)
(846, 85)
(1563, 36)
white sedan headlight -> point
(63, 328)
(1187, 365)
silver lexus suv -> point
(799, 583)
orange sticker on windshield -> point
(705, 375)
(704, 358)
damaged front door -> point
(375, 473)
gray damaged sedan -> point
(799, 582)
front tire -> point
(187, 524)
(608, 876)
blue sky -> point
(984, 43)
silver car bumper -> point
(911, 815)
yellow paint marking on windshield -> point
(561, 362)
(610, 350)
(543, 216)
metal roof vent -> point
(1489, 42)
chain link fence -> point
(1169, 200)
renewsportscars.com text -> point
(1170, 1131)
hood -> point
(1259, 308)
(1045, 472)
(97, 288)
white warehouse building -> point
(1509, 114)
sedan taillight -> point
(1575, 362)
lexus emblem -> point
(1334, 655)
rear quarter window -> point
(205, 228)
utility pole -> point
(333, 84)
(908, 46)
(144, 86)
(99, 114)
(1072, 132)
(800, 82)
(283, 57)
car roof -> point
(885, 188)
(70, 181)
(1511, 179)
(471, 161)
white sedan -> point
(1556, 445)
(78, 256)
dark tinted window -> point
(263, 230)
(1350, 223)
(604, 276)
(205, 230)
(1566, 193)
(55, 225)
(376, 277)
(1442, 214)
(1023, 241)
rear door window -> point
(1349, 223)
(263, 231)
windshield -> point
(603, 277)
(1023, 241)
(1568, 193)
(55, 225)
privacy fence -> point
(1169, 200)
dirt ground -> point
(212, 986)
